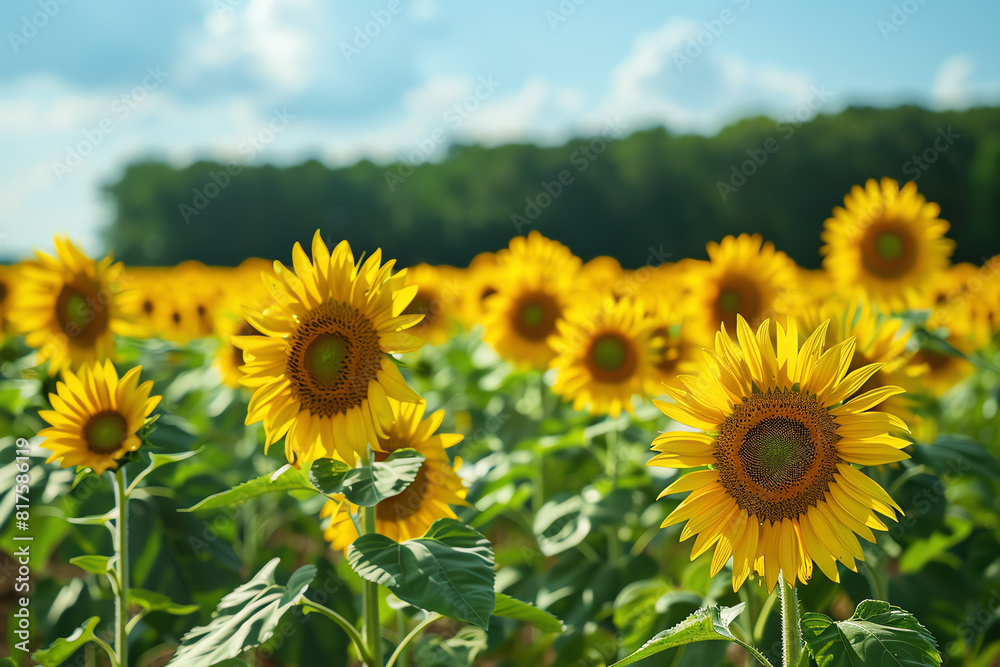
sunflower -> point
(780, 435)
(481, 280)
(605, 357)
(427, 498)
(70, 307)
(437, 299)
(229, 358)
(676, 351)
(322, 372)
(888, 242)
(745, 276)
(96, 416)
(534, 291)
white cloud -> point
(952, 87)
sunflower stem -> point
(372, 625)
(121, 567)
(791, 630)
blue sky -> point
(190, 79)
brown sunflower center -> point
(332, 357)
(776, 454)
(3, 292)
(888, 250)
(80, 314)
(669, 350)
(736, 295)
(105, 432)
(535, 316)
(611, 357)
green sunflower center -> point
(105, 432)
(324, 358)
(889, 245)
(609, 353)
(729, 300)
(777, 451)
(532, 314)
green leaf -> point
(93, 564)
(449, 570)
(7, 662)
(877, 634)
(94, 520)
(61, 649)
(158, 460)
(290, 479)
(709, 624)
(561, 524)
(509, 607)
(245, 618)
(152, 601)
(368, 485)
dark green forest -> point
(645, 197)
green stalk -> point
(121, 567)
(372, 625)
(791, 631)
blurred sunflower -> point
(322, 372)
(427, 498)
(604, 358)
(437, 299)
(942, 368)
(675, 351)
(96, 416)
(69, 307)
(745, 276)
(887, 242)
(781, 436)
(481, 281)
(537, 279)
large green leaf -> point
(449, 570)
(509, 607)
(709, 624)
(877, 634)
(368, 485)
(245, 618)
(61, 649)
(290, 479)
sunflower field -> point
(530, 460)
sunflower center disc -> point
(889, 245)
(325, 358)
(730, 300)
(609, 353)
(534, 316)
(776, 454)
(105, 432)
(332, 357)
